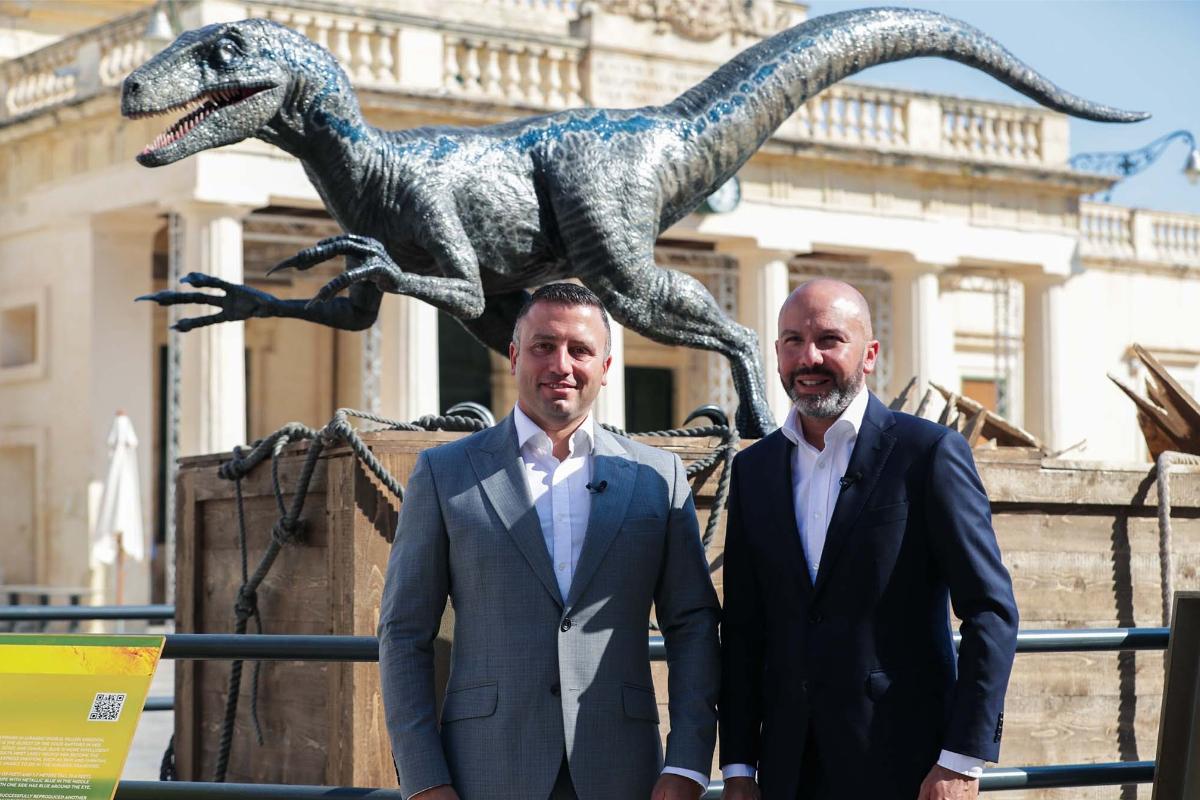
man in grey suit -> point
(552, 537)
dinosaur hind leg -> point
(674, 308)
(494, 327)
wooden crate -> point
(1080, 539)
(322, 722)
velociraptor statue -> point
(468, 218)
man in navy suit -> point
(851, 530)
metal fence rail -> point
(993, 780)
(285, 647)
(48, 613)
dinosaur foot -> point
(236, 303)
(367, 262)
(754, 420)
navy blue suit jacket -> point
(864, 659)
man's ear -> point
(512, 358)
(604, 375)
(870, 357)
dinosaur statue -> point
(469, 218)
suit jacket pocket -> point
(882, 515)
(639, 702)
(472, 701)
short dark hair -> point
(564, 294)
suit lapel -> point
(871, 450)
(779, 495)
(611, 465)
(499, 469)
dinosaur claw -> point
(282, 265)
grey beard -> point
(829, 405)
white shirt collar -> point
(583, 440)
(849, 421)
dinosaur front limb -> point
(239, 302)
(368, 263)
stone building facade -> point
(959, 219)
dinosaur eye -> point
(225, 53)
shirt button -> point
(562, 566)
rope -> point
(288, 527)
(1166, 569)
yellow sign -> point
(68, 709)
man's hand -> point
(944, 784)
(443, 792)
(675, 787)
(741, 789)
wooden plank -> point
(901, 400)
(995, 426)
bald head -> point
(825, 347)
(832, 295)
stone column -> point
(1045, 338)
(413, 369)
(763, 286)
(213, 368)
(921, 328)
(122, 374)
(610, 404)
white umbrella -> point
(118, 529)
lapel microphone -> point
(846, 481)
(596, 488)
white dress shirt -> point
(816, 476)
(562, 501)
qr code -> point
(106, 707)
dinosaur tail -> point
(731, 113)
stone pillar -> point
(122, 375)
(213, 368)
(414, 368)
(1045, 336)
(922, 332)
(610, 404)
(763, 286)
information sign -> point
(68, 709)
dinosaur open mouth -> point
(198, 109)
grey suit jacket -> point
(534, 675)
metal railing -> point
(286, 647)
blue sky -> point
(1133, 54)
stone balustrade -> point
(898, 120)
(72, 68)
(527, 69)
(504, 69)
(1114, 233)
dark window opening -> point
(464, 365)
(649, 399)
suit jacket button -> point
(814, 617)
(555, 690)
(804, 686)
(566, 625)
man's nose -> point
(561, 361)
(810, 355)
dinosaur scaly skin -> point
(468, 218)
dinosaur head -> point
(229, 81)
